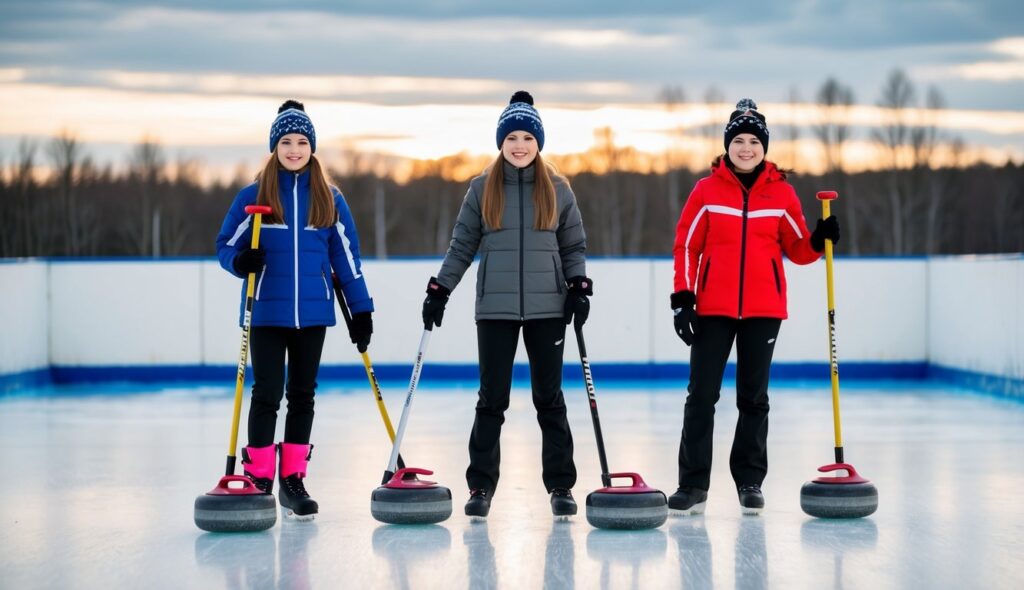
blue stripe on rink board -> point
(15, 382)
(470, 372)
(447, 372)
(467, 374)
(1007, 387)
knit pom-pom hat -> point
(292, 118)
(746, 119)
(520, 115)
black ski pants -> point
(268, 346)
(497, 341)
(755, 343)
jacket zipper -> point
(743, 246)
(522, 238)
(295, 243)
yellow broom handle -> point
(376, 394)
(243, 357)
(825, 213)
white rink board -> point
(24, 336)
(959, 312)
(124, 313)
(976, 314)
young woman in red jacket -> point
(730, 286)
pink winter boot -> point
(293, 496)
(258, 463)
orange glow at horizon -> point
(460, 137)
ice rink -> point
(101, 482)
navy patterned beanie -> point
(746, 119)
(520, 115)
(292, 118)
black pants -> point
(755, 343)
(268, 346)
(497, 341)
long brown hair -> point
(545, 215)
(321, 199)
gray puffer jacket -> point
(522, 270)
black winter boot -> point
(751, 499)
(479, 504)
(562, 503)
(687, 501)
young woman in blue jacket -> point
(309, 234)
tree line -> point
(154, 207)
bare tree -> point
(8, 236)
(380, 220)
(66, 153)
(1006, 215)
(792, 129)
(21, 203)
(942, 183)
(711, 130)
(146, 167)
(835, 100)
(672, 97)
(892, 136)
(925, 188)
(611, 201)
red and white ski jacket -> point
(729, 243)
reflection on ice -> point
(410, 547)
(694, 550)
(750, 556)
(560, 557)
(245, 560)
(483, 569)
(83, 459)
(615, 548)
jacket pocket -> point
(481, 284)
(259, 282)
(327, 288)
(704, 278)
(559, 279)
(778, 282)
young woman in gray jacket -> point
(522, 218)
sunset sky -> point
(428, 79)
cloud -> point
(403, 52)
(602, 39)
(1011, 67)
(381, 89)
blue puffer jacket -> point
(294, 289)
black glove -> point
(433, 305)
(248, 261)
(827, 229)
(685, 319)
(577, 302)
(359, 330)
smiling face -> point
(519, 148)
(746, 152)
(293, 151)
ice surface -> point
(101, 480)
